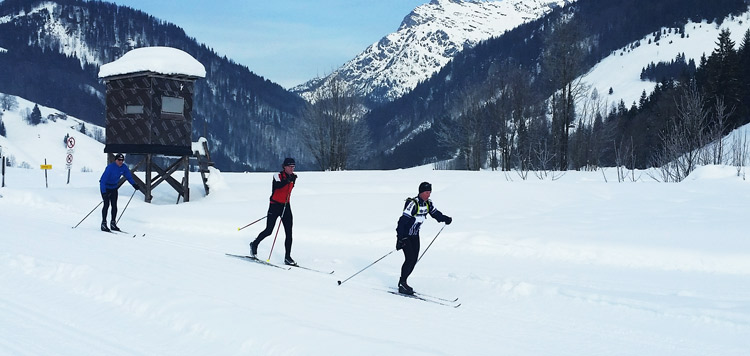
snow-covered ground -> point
(574, 266)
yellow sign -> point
(46, 166)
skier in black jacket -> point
(407, 231)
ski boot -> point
(113, 226)
(404, 288)
(289, 261)
(253, 250)
(104, 227)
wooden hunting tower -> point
(149, 106)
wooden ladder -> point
(203, 163)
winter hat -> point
(288, 162)
(120, 156)
(424, 186)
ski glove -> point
(448, 220)
(291, 178)
(401, 242)
(136, 187)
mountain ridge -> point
(426, 40)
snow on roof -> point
(162, 60)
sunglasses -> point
(120, 159)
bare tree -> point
(8, 102)
(624, 158)
(563, 55)
(684, 140)
(332, 129)
(467, 135)
(716, 132)
(740, 149)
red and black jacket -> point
(281, 188)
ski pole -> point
(240, 228)
(278, 228)
(360, 271)
(433, 240)
(126, 207)
(87, 215)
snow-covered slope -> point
(426, 40)
(622, 69)
(29, 146)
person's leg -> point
(105, 208)
(287, 221)
(105, 198)
(113, 201)
(270, 221)
(411, 254)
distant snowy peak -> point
(428, 38)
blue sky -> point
(285, 41)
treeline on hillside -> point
(475, 81)
(679, 118)
(674, 69)
(671, 128)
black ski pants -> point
(110, 198)
(275, 211)
(411, 254)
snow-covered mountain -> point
(425, 42)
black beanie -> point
(424, 186)
(120, 156)
(288, 162)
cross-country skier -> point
(281, 191)
(108, 185)
(407, 231)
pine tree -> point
(743, 55)
(36, 116)
(722, 75)
(642, 100)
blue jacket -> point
(111, 176)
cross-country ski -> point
(312, 269)
(259, 261)
(419, 294)
(425, 299)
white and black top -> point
(414, 214)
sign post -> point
(69, 157)
(2, 161)
(45, 167)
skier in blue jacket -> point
(108, 185)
